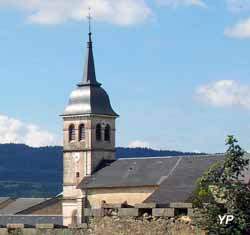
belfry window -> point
(81, 132)
(107, 133)
(98, 132)
(72, 133)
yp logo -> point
(226, 219)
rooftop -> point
(15, 206)
(89, 97)
(174, 176)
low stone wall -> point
(146, 219)
(171, 210)
(30, 219)
(33, 231)
(146, 225)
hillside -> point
(26, 171)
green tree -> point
(221, 191)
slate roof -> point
(20, 204)
(89, 100)
(14, 211)
(89, 97)
(179, 186)
(3, 199)
(175, 176)
(131, 172)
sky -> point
(177, 71)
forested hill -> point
(26, 171)
(147, 152)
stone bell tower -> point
(89, 135)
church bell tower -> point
(89, 134)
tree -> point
(221, 191)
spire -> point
(89, 76)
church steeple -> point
(88, 134)
(89, 98)
(89, 76)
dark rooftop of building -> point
(16, 205)
(23, 211)
(175, 176)
(181, 183)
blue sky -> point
(177, 71)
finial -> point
(89, 19)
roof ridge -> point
(138, 158)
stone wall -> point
(146, 225)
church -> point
(92, 175)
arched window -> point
(81, 132)
(98, 132)
(72, 133)
(107, 133)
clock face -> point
(76, 157)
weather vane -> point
(89, 18)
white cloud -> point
(139, 144)
(177, 3)
(238, 5)
(15, 131)
(49, 12)
(225, 93)
(240, 30)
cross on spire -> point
(89, 19)
(89, 76)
